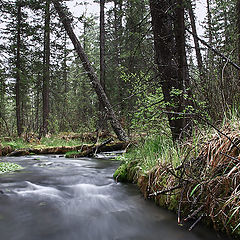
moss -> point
(71, 154)
(6, 167)
(121, 174)
(127, 171)
(173, 203)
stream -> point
(54, 198)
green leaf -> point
(195, 188)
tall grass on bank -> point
(147, 155)
(199, 179)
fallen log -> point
(84, 150)
(48, 150)
(5, 150)
(19, 152)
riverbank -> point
(69, 145)
(198, 179)
(56, 144)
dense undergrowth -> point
(198, 178)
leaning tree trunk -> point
(91, 74)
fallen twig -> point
(198, 220)
(164, 191)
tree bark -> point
(46, 69)
(183, 74)
(180, 45)
(102, 121)
(195, 38)
(238, 31)
(18, 71)
(91, 74)
(165, 49)
(118, 29)
(102, 44)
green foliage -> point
(153, 150)
(121, 174)
(16, 143)
(147, 155)
(71, 153)
(6, 167)
(54, 141)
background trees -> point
(150, 65)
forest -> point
(149, 64)
(145, 73)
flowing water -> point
(54, 198)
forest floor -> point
(199, 178)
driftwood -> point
(103, 147)
(91, 150)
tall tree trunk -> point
(238, 31)
(165, 58)
(195, 38)
(37, 102)
(46, 68)
(102, 44)
(210, 86)
(18, 71)
(180, 45)
(209, 22)
(91, 74)
(183, 74)
(118, 28)
(102, 122)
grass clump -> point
(147, 155)
(6, 167)
(71, 154)
(17, 143)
